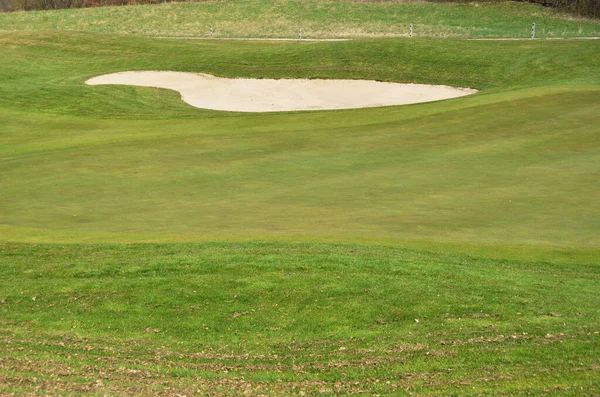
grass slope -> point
(286, 319)
(319, 19)
(515, 164)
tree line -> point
(590, 8)
(31, 5)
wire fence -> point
(528, 32)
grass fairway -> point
(515, 164)
(448, 248)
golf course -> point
(443, 248)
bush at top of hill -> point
(590, 8)
(583, 7)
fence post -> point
(212, 31)
(300, 32)
(533, 31)
(411, 30)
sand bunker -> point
(266, 95)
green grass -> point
(283, 318)
(293, 252)
(515, 164)
(319, 19)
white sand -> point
(266, 95)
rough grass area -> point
(286, 319)
(319, 19)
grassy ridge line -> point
(289, 317)
(280, 19)
(572, 255)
